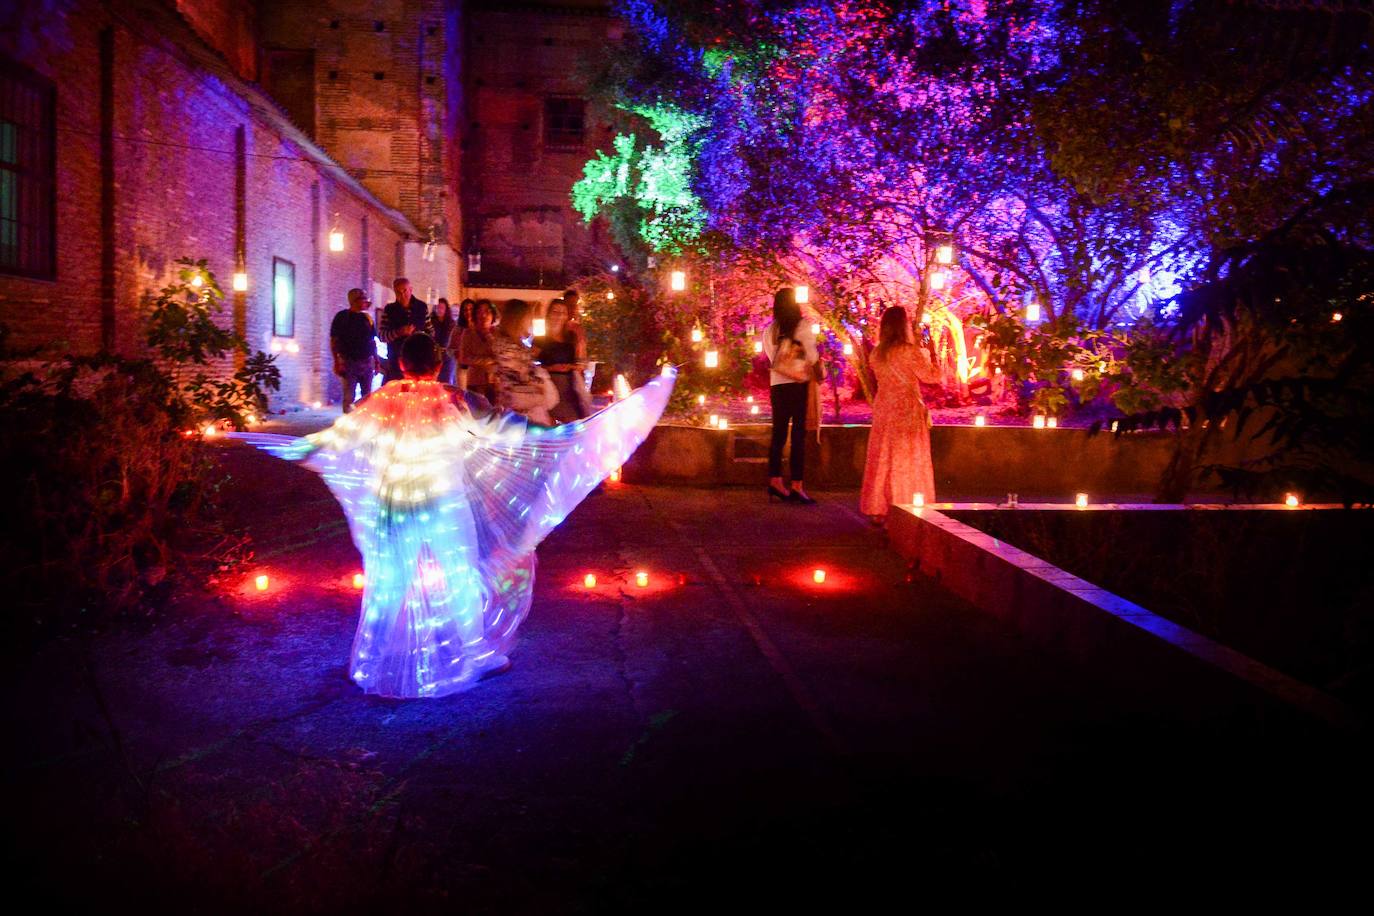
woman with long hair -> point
(521, 386)
(898, 465)
(445, 323)
(557, 353)
(475, 356)
(791, 349)
(455, 343)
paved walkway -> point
(732, 725)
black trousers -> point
(789, 406)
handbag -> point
(790, 360)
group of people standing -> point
(481, 351)
(898, 465)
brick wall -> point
(516, 187)
(175, 120)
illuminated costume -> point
(446, 505)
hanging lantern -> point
(945, 254)
(1033, 311)
(849, 349)
(539, 327)
(803, 294)
(240, 281)
(696, 335)
(198, 281)
(937, 279)
(712, 359)
(610, 295)
(474, 262)
(336, 240)
(678, 280)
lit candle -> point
(336, 240)
(610, 295)
(980, 420)
(589, 580)
(918, 499)
(679, 280)
(1038, 422)
(642, 579)
(696, 335)
(261, 582)
(1291, 500)
(358, 580)
(818, 576)
(1335, 316)
(210, 431)
(803, 294)
(1077, 375)
(240, 281)
(1081, 500)
(712, 359)
(198, 281)
(539, 327)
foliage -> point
(108, 470)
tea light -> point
(818, 576)
(539, 327)
(1081, 500)
(589, 581)
(1291, 500)
(712, 359)
(696, 335)
(610, 295)
(918, 499)
(261, 582)
(358, 580)
(1052, 422)
(1038, 422)
(642, 579)
(980, 420)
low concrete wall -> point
(1052, 607)
(969, 461)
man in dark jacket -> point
(407, 315)
(352, 342)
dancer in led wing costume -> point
(446, 500)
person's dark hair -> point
(486, 304)
(448, 309)
(786, 313)
(513, 314)
(571, 292)
(419, 355)
(892, 332)
(465, 313)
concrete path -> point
(731, 732)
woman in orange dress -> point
(898, 465)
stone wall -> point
(176, 115)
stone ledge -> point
(1104, 631)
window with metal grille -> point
(565, 123)
(283, 298)
(28, 172)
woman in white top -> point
(791, 350)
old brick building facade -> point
(132, 133)
(529, 130)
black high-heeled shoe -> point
(800, 498)
(775, 493)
